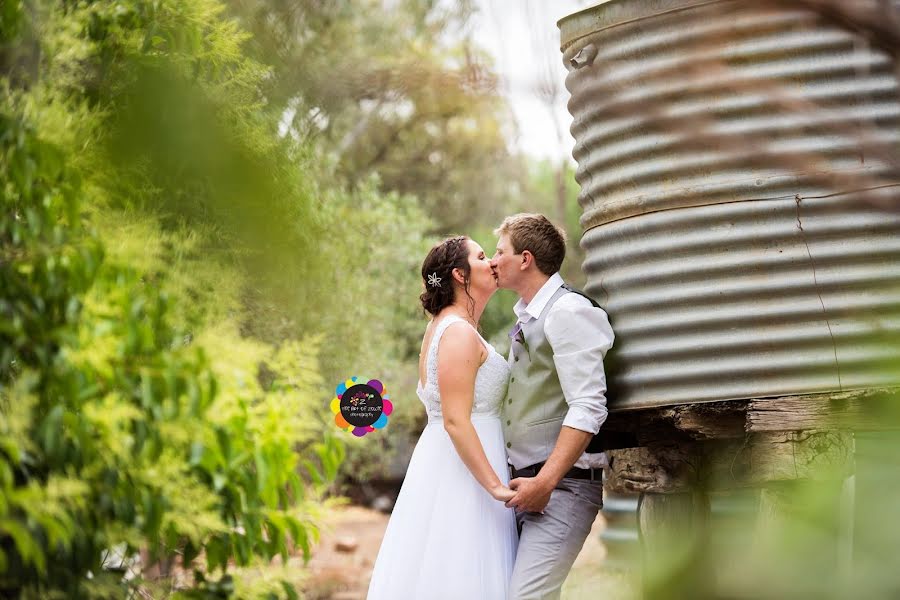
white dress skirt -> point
(447, 538)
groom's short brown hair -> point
(534, 232)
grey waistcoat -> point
(535, 406)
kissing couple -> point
(503, 485)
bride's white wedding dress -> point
(447, 537)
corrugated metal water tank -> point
(741, 208)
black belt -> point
(593, 474)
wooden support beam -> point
(858, 410)
(684, 423)
(722, 464)
(712, 420)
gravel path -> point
(342, 561)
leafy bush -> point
(125, 424)
(113, 430)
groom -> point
(555, 405)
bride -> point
(450, 534)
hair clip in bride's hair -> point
(434, 280)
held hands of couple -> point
(532, 494)
(502, 493)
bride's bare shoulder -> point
(461, 342)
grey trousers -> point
(550, 542)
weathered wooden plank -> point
(859, 410)
(712, 420)
(708, 420)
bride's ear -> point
(458, 276)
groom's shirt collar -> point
(532, 310)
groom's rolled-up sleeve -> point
(580, 335)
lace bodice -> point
(490, 382)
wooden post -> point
(674, 534)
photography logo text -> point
(361, 405)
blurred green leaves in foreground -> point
(831, 532)
(152, 222)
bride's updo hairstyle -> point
(437, 273)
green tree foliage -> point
(129, 420)
(111, 430)
(394, 89)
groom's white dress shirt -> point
(580, 335)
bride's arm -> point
(459, 351)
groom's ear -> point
(527, 259)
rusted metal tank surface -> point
(741, 197)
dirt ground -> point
(336, 574)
